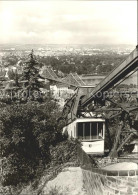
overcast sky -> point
(68, 22)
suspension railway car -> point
(91, 133)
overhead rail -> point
(115, 76)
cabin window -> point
(100, 130)
(87, 131)
(80, 130)
(94, 133)
(90, 130)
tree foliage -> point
(31, 77)
(84, 64)
(26, 133)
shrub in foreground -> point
(26, 133)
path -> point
(68, 182)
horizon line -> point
(66, 44)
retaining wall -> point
(98, 181)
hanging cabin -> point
(91, 133)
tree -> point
(13, 75)
(31, 80)
(26, 133)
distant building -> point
(61, 90)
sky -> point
(68, 22)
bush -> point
(65, 151)
(26, 133)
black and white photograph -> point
(68, 97)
